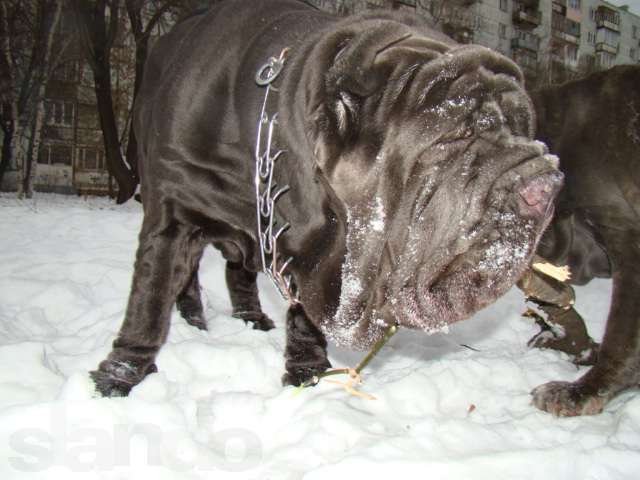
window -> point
(575, 4)
(572, 28)
(59, 113)
(632, 53)
(607, 36)
(634, 31)
(504, 5)
(5, 110)
(90, 158)
(54, 154)
(408, 3)
(502, 30)
(591, 38)
(67, 72)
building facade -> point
(552, 40)
(71, 156)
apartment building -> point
(71, 156)
(556, 39)
(551, 40)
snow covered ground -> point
(216, 408)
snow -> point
(216, 407)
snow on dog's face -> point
(445, 191)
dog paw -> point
(117, 378)
(259, 320)
(196, 320)
(565, 399)
(296, 376)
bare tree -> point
(27, 36)
(97, 23)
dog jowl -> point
(416, 193)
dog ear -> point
(363, 63)
(355, 74)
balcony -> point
(566, 37)
(559, 7)
(529, 42)
(565, 30)
(607, 18)
(608, 23)
(526, 17)
(605, 60)
(605, 47)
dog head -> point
(428, 146)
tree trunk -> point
(10, 144)
(115, 164)
(44, 69)
(97, 42)
(5, 159)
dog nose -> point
(536, 194)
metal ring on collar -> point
(269, 71)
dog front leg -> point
(243, 291)
(306, 350)
(164, 262)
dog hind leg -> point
(189, 303)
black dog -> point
(416, 194)
(593, 124)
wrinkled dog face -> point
(446, 193)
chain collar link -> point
(267, 190)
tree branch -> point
(157, 16)
(112, 33)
